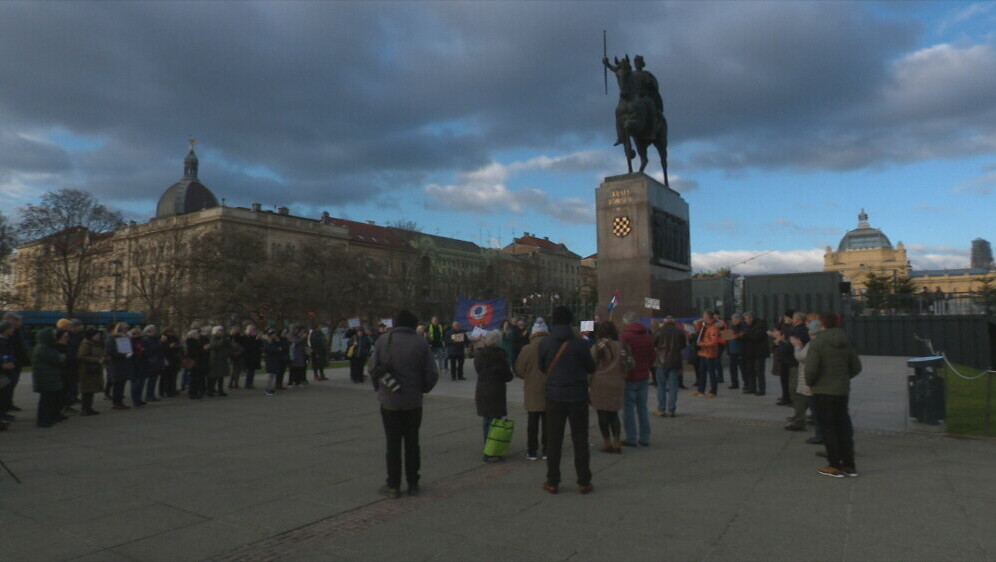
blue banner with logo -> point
(484, 314)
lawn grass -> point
(966, 403)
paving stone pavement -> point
(294, 477)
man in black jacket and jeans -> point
(566, 360)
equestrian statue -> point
(639, 113)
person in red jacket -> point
(641, 346)
(707, 343)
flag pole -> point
(605, 71)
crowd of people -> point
(564, 372)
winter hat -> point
(539, 326)
(405, 319)
(63, 324)
(562, 316)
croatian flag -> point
(485, 314)
(614, 302)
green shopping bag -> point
(499, 437)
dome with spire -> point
(864, 237)
(188, 195)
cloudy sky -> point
(484, 120)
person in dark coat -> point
(49, 360)
(198, 357)
(22, 359)
(319, 354)
(409, 360)
(298, 357)
(360, 345)
(456, 341)
(566, 360)
(755, 353)
(253, 346)
(220, 352)
(493, 373)
(274, 359)
(174, 357)
(120, 366)
(154, 356)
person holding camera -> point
(402, 368)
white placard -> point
(387, 322)
(123, 345)
(652, 304)
(353, 323)
(587, 325)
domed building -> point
(188, 195)
(865, 249)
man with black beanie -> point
(409, 362)
(566, 360)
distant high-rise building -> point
(982, 254)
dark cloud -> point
(349, 101)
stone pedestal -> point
(644, 248)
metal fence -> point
(948, 304)
(966, 339)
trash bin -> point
(926, 390)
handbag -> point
(381, 373)
(499, 437)
(628, 361)
(351, 351)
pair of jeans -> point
(710, 370)
(736, 370)
(401, 427)
(558, 415)
(439, 354)
(137, 389)
(837, 433)
(534, 432)
(456, 367)
(150, 387)
(667, 389)
(635, 412)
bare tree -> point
(221, 283)
(159, 268)
(70, 224)
(8, 241)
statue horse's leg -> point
(661, 143)
(628, 149)
(641, 147)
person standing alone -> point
(406, 356)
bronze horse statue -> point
(639, 114)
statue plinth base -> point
(644, 248)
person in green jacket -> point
(49, 362)
(831, 363)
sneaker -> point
(659, 414)
(831, 472)
(531, 457)
(696, 393)
(849, 472)
(270, 393)
(389, 492)
(710, 395)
